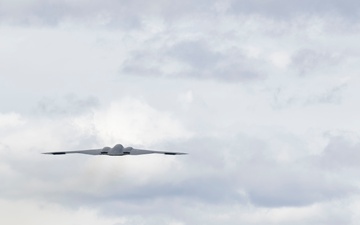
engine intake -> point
(127, 150)
(105, 150)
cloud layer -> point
(262, 94)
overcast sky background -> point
(262, 94)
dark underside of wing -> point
(56, 153)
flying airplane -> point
(117, 150)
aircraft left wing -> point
(88, 152)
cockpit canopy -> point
(116, 150)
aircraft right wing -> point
(135, 151)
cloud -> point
(220, 174)
(128, 14)
(121, 123)
(248, 88)
(124, 14)
(10, 120)
(306, 61)
(286, 97)
(193, 59)
(212, 174)
(334, 95)
(195, 53)
(340, 153)
(35, 212)
(68, 105)
(285, 9)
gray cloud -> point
(212, 174)
(68, 105)
(127, 14)
(340, 153)
(197, 59)
(228, 171)
(249, 162)
(332, 95)
(195, 53)
(283, 8)
(287, 185)
(256, 177)
(112, 13)
(306, 61)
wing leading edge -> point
(87, 152)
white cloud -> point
(280, 59)
(33, 212)
(10, 120)
(134, 122)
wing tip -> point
(53, 153)
(175, 153)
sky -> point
(261, 94)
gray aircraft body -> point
(117, 150)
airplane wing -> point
(135, 151)
(88, 152)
